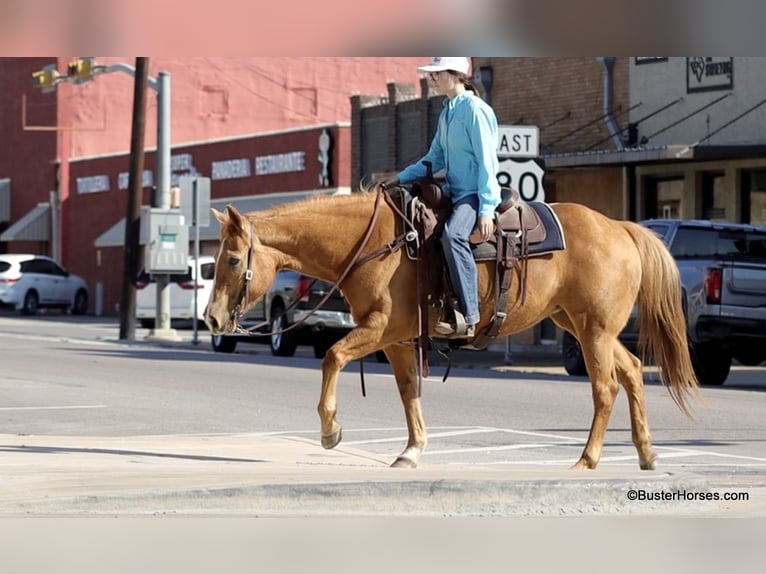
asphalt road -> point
(65, 377)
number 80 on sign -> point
(524, 176)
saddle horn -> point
(428, 190)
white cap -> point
(439, 64)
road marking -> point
(52, 408)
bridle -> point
(397, 243)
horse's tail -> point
(662, 324)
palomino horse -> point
(588, 289)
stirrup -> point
(459, 329)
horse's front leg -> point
(356, 344)
(403, 360)
(327, 408)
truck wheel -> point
(574, 363)
(711, 364)
(223, 344)
(750, 356)
(282, 344)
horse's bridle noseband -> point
(239, 309)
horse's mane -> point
(308, 204)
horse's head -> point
(244, 270)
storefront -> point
(250, 172)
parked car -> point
(723, 280)
(182, 289)
(321, 329)
(31, 282)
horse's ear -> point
(236, 218)
(221, 217)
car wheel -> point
(711, 364)
(31, 303)
(80, 305)
(223, 344)
(574, 363)
(147, 323)
(321, 346)
(282, 344)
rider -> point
(465, 145)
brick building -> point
(634, 138)
(253, 125)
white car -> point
(182, 287)
(30, 282)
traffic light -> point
(80, 69)
(45, 78)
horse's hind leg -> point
(403, 360)
(629, 375)
(599, 361)
(598, 352)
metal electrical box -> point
(167, 246)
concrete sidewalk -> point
(266, 474)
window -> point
(711, 243)
(207, 270)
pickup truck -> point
(320, 329)
(723, 277)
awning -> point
(34, 226)
(659, 154)
(115, 235)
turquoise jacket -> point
(465, 144)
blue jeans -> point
(459, 258)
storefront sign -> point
(280, 163)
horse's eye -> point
(234, 261)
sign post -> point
(518, 149)
(195, 204)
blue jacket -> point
(465, 144)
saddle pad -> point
(554, 241)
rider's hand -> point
(389, 182)
(485, 226)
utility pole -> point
(162, 328)
(133, 209)
(85, 69)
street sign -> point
(195, 193)
(518, 141)
(524, 176)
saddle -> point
(522, 230)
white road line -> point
(501, 448)
(51, 408)
(472, 431)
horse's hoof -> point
(331, 440)
(402, 462)
(649, 464)
(583, 464)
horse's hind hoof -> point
(402, 462)
(331, 440)
(650, 464)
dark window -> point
(4, 266)
(712, 243)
